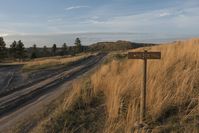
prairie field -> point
(49, 62)
(108, 99)
(91, 66)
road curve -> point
(20, 104)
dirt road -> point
(13, 78)
(27, 101)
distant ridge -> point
(118, 45)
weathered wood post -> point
(144, 56)
(143, 92)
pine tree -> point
(64, 49)
(45, 51)
(78, 45)
(77, 42)
(54, 49)
(2, 48)
(13, 51)
(34, 52)
(20, 50)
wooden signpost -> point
(144, 56)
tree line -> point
(18, 51)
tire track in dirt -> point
(18, 98)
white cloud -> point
(177, 20)
(94, 17)
(75, 7)
(3, 35)
(164, 14)
(55, 20)
(91, 21)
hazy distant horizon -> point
(90, 38)
(45, 22)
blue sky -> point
(30, 18)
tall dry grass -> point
(172, 92)
(50, 62)
(172, 89)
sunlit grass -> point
(50, 62)
(172, 95)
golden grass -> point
(172, 92)
(43, 63)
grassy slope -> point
(115, 46)
(43, 63)
(108, 100)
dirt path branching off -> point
(12, 102)
(18, 80)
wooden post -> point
(144, 56)
(143, 92)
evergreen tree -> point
(45, 51)
(54, 49)
(34, 52)
(34, 47)
(78, 45)
(2, 48)
(20, 50)
(13, 50)
(64, 49)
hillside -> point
(118, 45)
(100, 46)
(108, 100)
